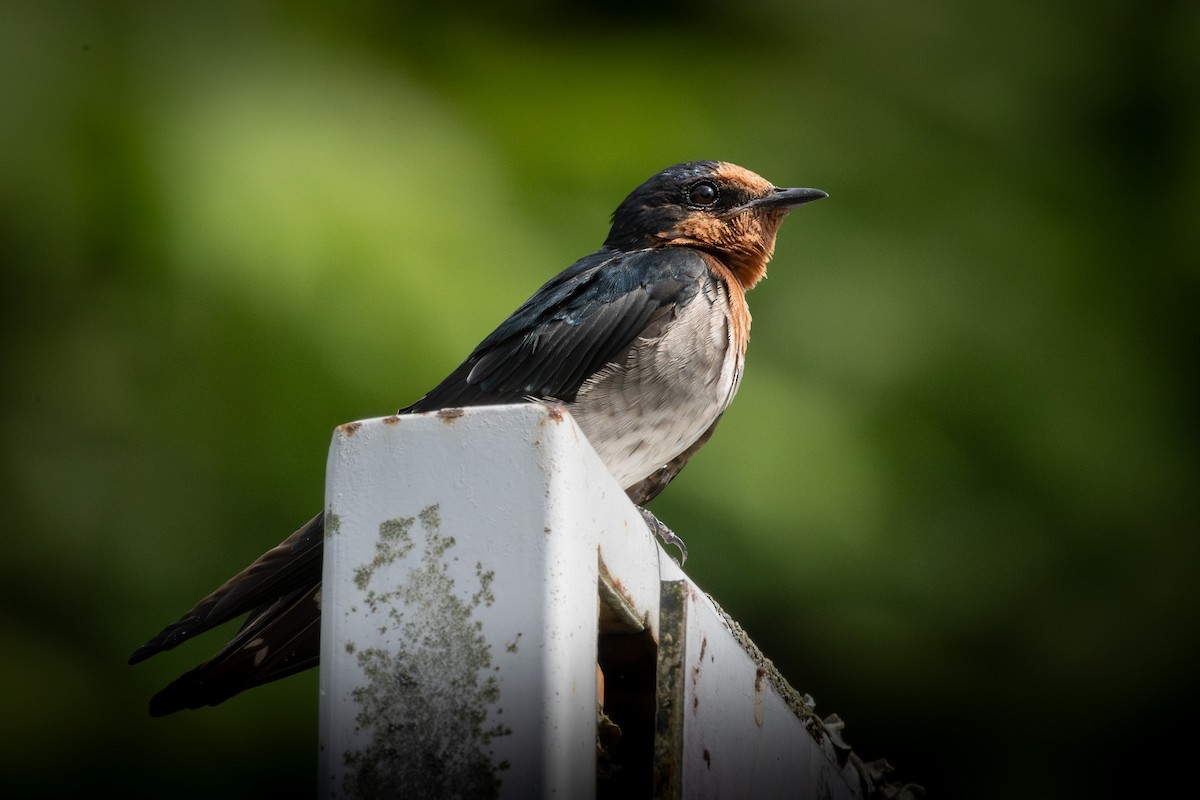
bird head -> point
(713, 206)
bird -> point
(643, 342)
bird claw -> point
(667, 535)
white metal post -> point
(473, 559)
(459, 620)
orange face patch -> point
(743, 241)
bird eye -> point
(703, 193)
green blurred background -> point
(955, 499)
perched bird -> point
(642, 341)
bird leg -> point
(667, 535)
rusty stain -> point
(624, 604)
(392, 420)
(349, 429)
(449, 414)
(556, 411)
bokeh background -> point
(955, 500)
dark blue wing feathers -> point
(584, 318)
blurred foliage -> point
(955, 500)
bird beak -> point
(786, 199)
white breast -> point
(640, 413)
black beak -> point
(786, 199)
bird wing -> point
(581, 320)
(586, 317)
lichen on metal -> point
(425, 700)
(668, 722)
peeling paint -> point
(425, 702)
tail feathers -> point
(280, 640)
(294, 564)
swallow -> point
(643, 341)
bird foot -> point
(667, 535)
